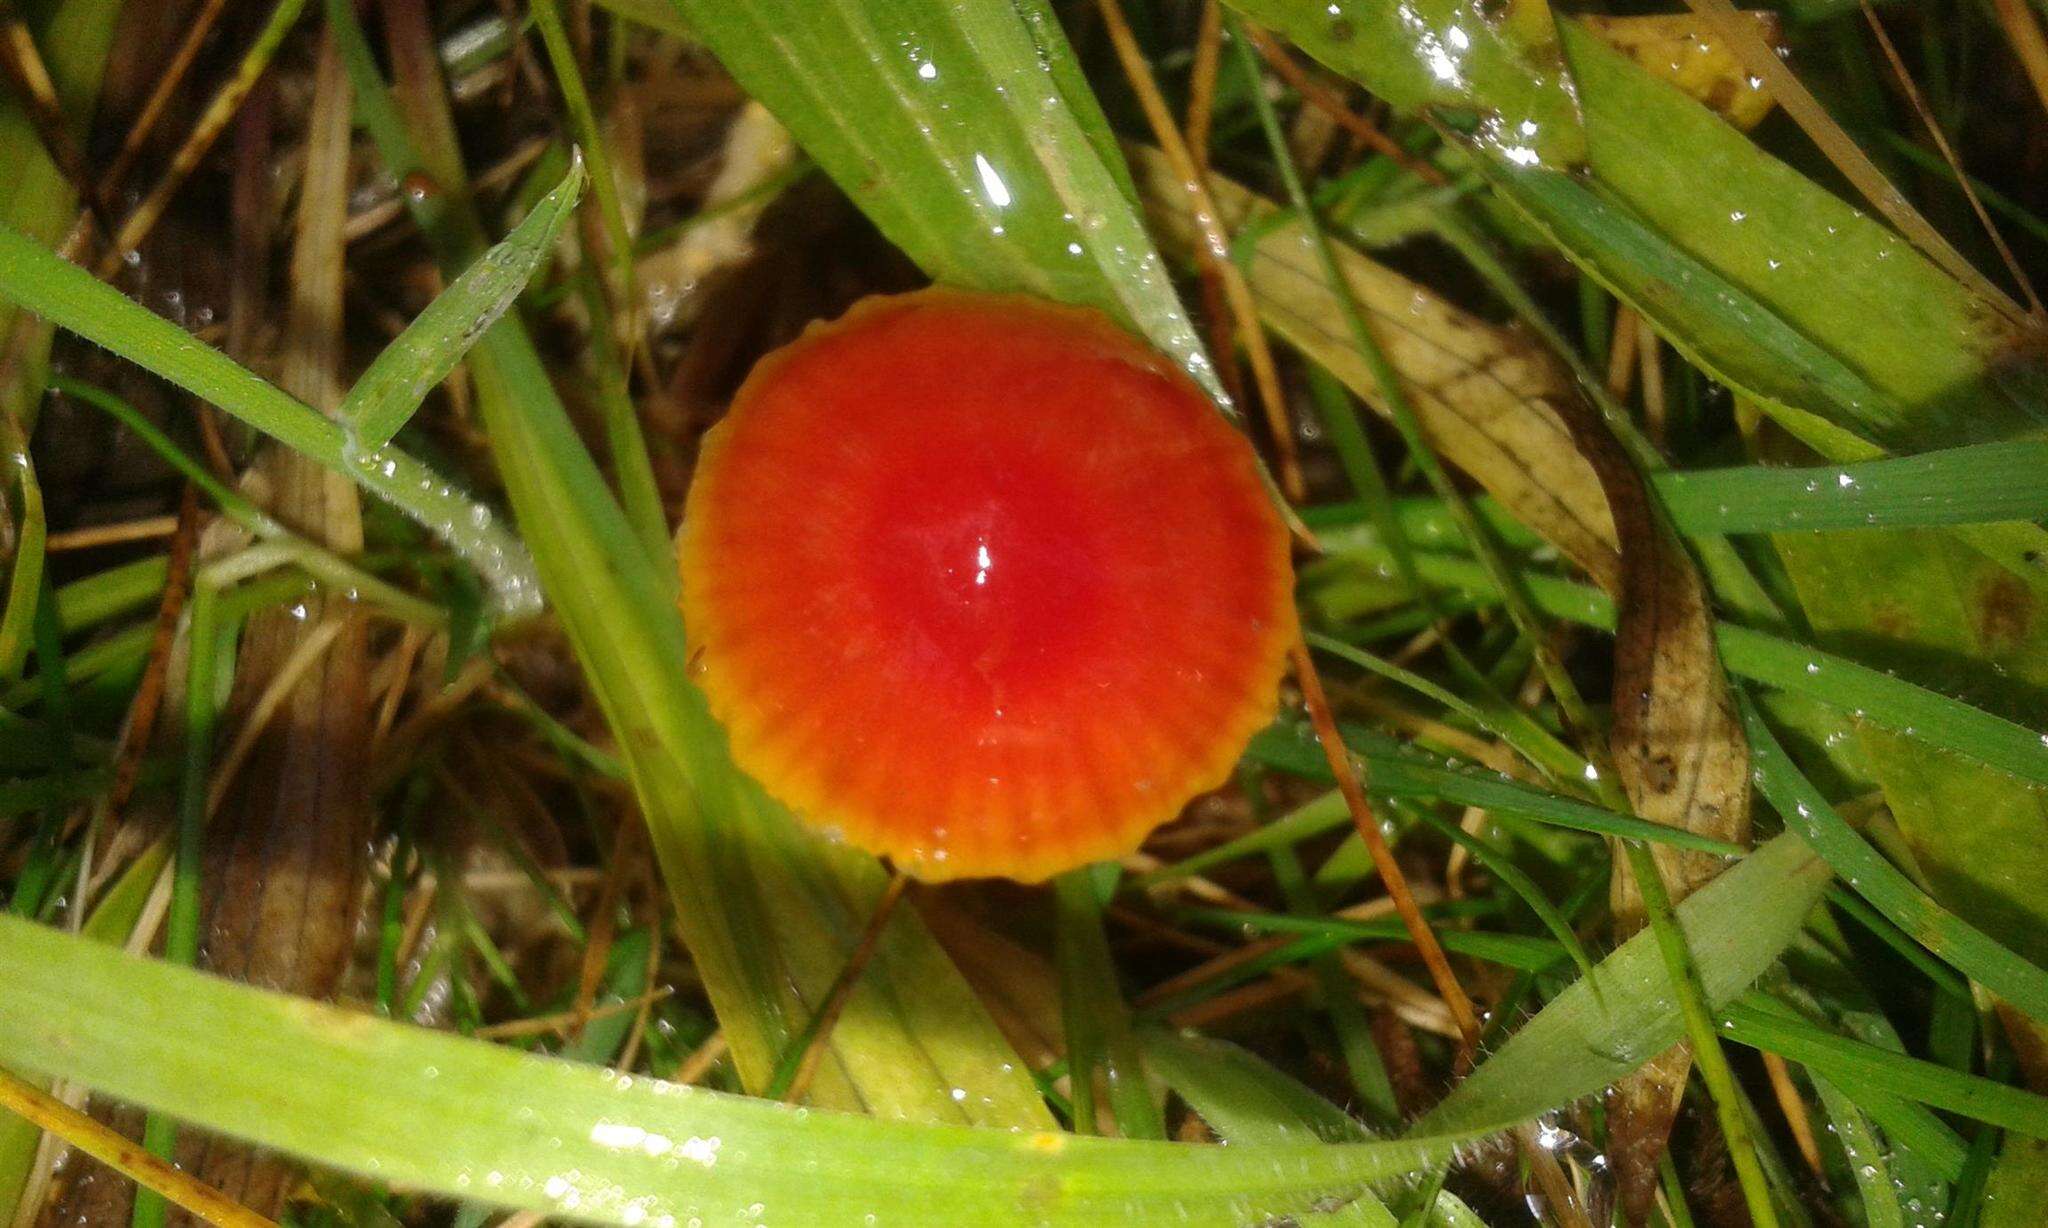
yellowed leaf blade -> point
(1485, 396)
(1688, 52)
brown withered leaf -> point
(1678, 747)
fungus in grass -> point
(983, 583)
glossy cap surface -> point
(983, 583)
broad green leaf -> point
(1913, 603)
(1762, 276)
(2018, 1188)
(111, 922)
(966, 132)
(1982, 958)
(464, 1118)
(1581, 1042)
(654, 14)
(1495, 70)
(384, 398)
(1948, 368)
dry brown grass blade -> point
(2023, 29)
(1391, 876)
(1486, 396)
(117, 1151)
(279, 889)
(1213, 250)
(1678, 750)
(22, 64)
(2035, 55)
(282, 890)
(206, 130)
(196, 34)
(149, 691)
(1202, 74)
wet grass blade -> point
(1735, 926)
(967, 133)
(1924, 715)
(1248, 1103)
(1975, 484)
(72, 298)
(399, 1104)
(1760, 1023)
(388, 393)
(1401, 773)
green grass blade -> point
(1522, 952)
(1869, 1165)
(73, 299)
(388, 393)
(1761, 1024)
(400, 1104)
(2017, 1187)
(1400, 773)
(1976, 484)
(1096, 1021)
(583, 120)
(1984, 483)
(1762, 276)
(1512, 725)
(1517, 880)
(966, 132)
(25, 568)
(1249, 1104)
(74, 38)
(1926, 716)
(1426, 54)
(1735, 927)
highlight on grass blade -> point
(387, 394)
(595, 1145)
(71, 298)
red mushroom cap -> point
(983, 583)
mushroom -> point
(982, 583)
